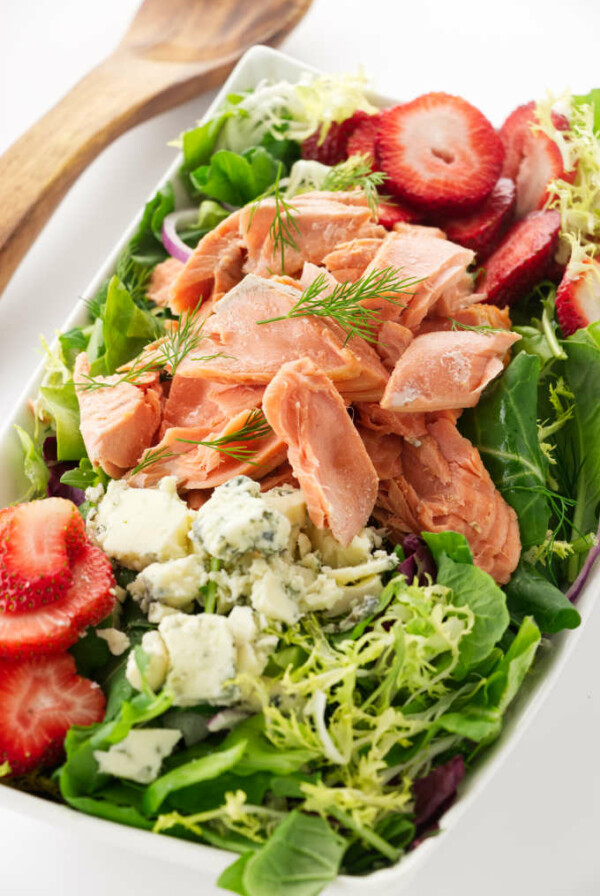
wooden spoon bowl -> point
(172, 51)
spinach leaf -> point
(106, 809)
(233, 877)
(504, 682)
(453, 544)
(61, 403)
(503, 426)
(579, 439)
(300, 858)
(236, 179)
(210, 794)
(475, 588)
(203, 769)
(529, 593)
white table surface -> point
(537, 830)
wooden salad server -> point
(173, 50)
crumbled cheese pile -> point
(264, 561)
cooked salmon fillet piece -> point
(446, 370)
(348, 261)
(217, 259)
(318, 222)
(164, 275)
(436, 267)
(392, 341)
(445, 486)
(119, 420)
(325, 450)
(476, 315)
(200, 466)
(251, 354)
(283, 475)
(195, 401)
(385, 452)
(418, 230)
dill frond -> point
(256, 427)
(345, 305)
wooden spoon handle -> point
(37, 170)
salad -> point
(314, 482)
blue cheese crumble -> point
(139, 756)
(236, 520)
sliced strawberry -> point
(578, 298)
(40, 699)
(54, 627)
(439, 153)
(513, 133)
(39, 540)
(531, 158)
(390, 213)
(333, 148)
(362, 141)
(522, 258)
(480, 230)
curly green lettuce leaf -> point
(126, 329)
(34, 466)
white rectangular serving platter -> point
(257, 64)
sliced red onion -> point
(171, 239)
(577, 586)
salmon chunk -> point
(392, 341)
(198, 466)
(195, 401)
(325, 450)
(118, 420)
(446, 370)
(476, 315)
(439, 266)
(249, 353)
(443, 485)
(317, 223)
(162, 279)
(348, 261)
(217, 259)
(418, 230)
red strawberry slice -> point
(439, 153)
(39, 540)
(522, 258)
(531, 159)
(333, 149)
(362, 141)
(54, 627)
(513, 132)
(578, 298)
(481, 229)
(390, 213)
(40, 699)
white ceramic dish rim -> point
(259, 63)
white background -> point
(537, 830)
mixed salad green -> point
(355, 735)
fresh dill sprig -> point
(481, 328)
(171, 350)
(134, 376)
(153, 457)
(255, 427)
(284, 223)
(357, 172)
(345, 303)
